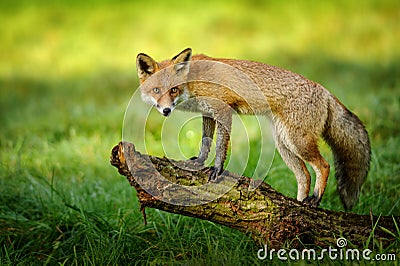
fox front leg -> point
(224, 124)
(207, 138)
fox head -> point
(165, 83)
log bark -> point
(256, 210)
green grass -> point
(67, 73)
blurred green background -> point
(67, 72)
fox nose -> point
(166, 111)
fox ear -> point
(182, 61)
(146, 66)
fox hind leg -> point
(298, 167)
(321, 169)
(295, 151)
(309, 152)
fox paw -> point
(216, 171)
(311, 201)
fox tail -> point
(349, 141)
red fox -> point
(300, 111)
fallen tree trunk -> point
(234, 201)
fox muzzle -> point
(166, 111)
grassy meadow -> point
(67, 74)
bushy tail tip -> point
(349, 141)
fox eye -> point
(174, 90)
(156, 90)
